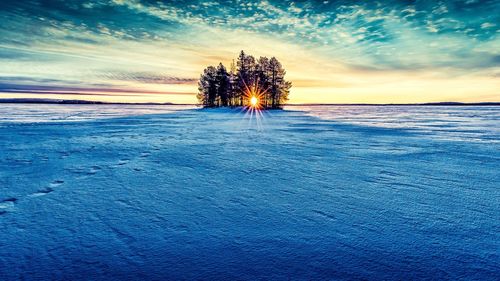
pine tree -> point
(232, 85)
(263, 79)
(222, 85)
(274, 66)
(279, 87)
(207, 87)
(246, 70)
(242, 74)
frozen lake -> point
(106, 192)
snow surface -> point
(220, 195)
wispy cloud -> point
(147, 78)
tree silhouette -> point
(263, 79)
(207, 87)
(233, 85)
(262, 73)
(222, 83)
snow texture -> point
(317, 193)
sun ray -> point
(253, 103)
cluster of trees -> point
(250, 79)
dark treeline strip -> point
(261, 78)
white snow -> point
(304, 194)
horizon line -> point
(63, 101)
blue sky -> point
(334, 51)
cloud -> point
(148, 78)
(487, 25)
(83, 90)
(16, 84)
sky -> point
(333, 51)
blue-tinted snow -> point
(380, 193)
(40, 113)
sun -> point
(254, 101)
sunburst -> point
(254, 96)
(254, 100)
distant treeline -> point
(250, 82)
